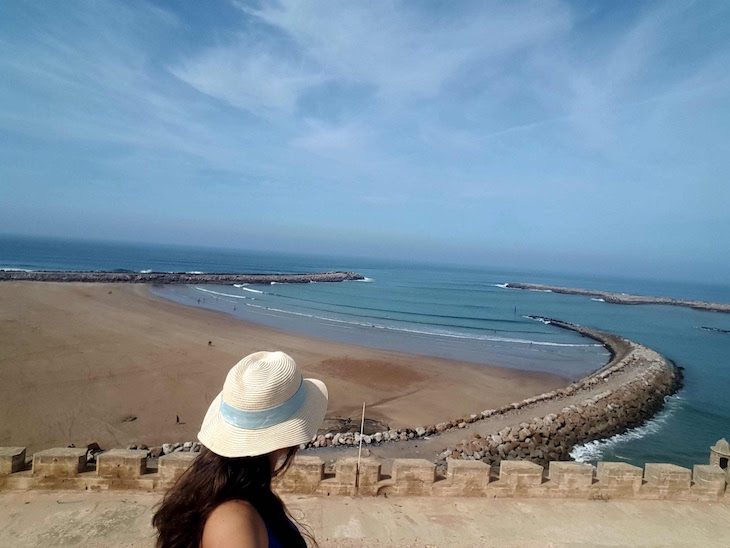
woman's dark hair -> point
(212, 480)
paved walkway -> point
(122, 519)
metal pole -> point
(359, 452)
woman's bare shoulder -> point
(235, 523)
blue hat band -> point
(263, 418)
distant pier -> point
(624, 298)
(175, 277)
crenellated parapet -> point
(67, 468)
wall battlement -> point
(66, 468)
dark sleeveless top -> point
(273, 541)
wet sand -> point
(115, 364)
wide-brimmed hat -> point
(265, 405)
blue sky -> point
(592, 135)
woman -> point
(250, 434)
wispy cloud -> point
(515, 111)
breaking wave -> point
(594, 451)
(429, 332)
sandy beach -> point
(113, 364)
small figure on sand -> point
(210, 343)
(177, 419)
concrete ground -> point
(122, 519)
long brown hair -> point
(212, 480)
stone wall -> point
(610, 412)
(174, 277)
(66, 468)
(646, 379)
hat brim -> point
(227, 440)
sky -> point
(587, 136)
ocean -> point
(454, 312)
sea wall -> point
(622, 298)
(67, 468)
(176, 277)
(637, 379)
(649, 379)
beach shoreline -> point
(114, 364)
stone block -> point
(620, 475)
(171, 467)
(303, 476)
(571, 475)
(468, 477)
(61, 462)
(668, 476)
(121, 463)
(520, 473)
(709, 477)
(346, 470)
(12, 459)
(413, 476)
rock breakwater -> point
(623, 394)
(623, 298)
(649, 378)
(175, 277)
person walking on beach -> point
(249, 435)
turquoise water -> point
(455, 312)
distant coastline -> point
(174, 277)
(623, 298)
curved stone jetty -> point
(622, 298)
(176, 277)
(623, 394)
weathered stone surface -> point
(172, 466)
(303, 476)
(571, 475)
(520, 474)
(620, 475)
(59, 462)
(709, 477)
(468, 477)
(12, 459)
(122, 463)
(668, 476)
(346, 471)
(413, 476)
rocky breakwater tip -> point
(176, 277)
(621, 298)
(646, 378)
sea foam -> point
(593, 451)
(432, 333)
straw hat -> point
(265, 405)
